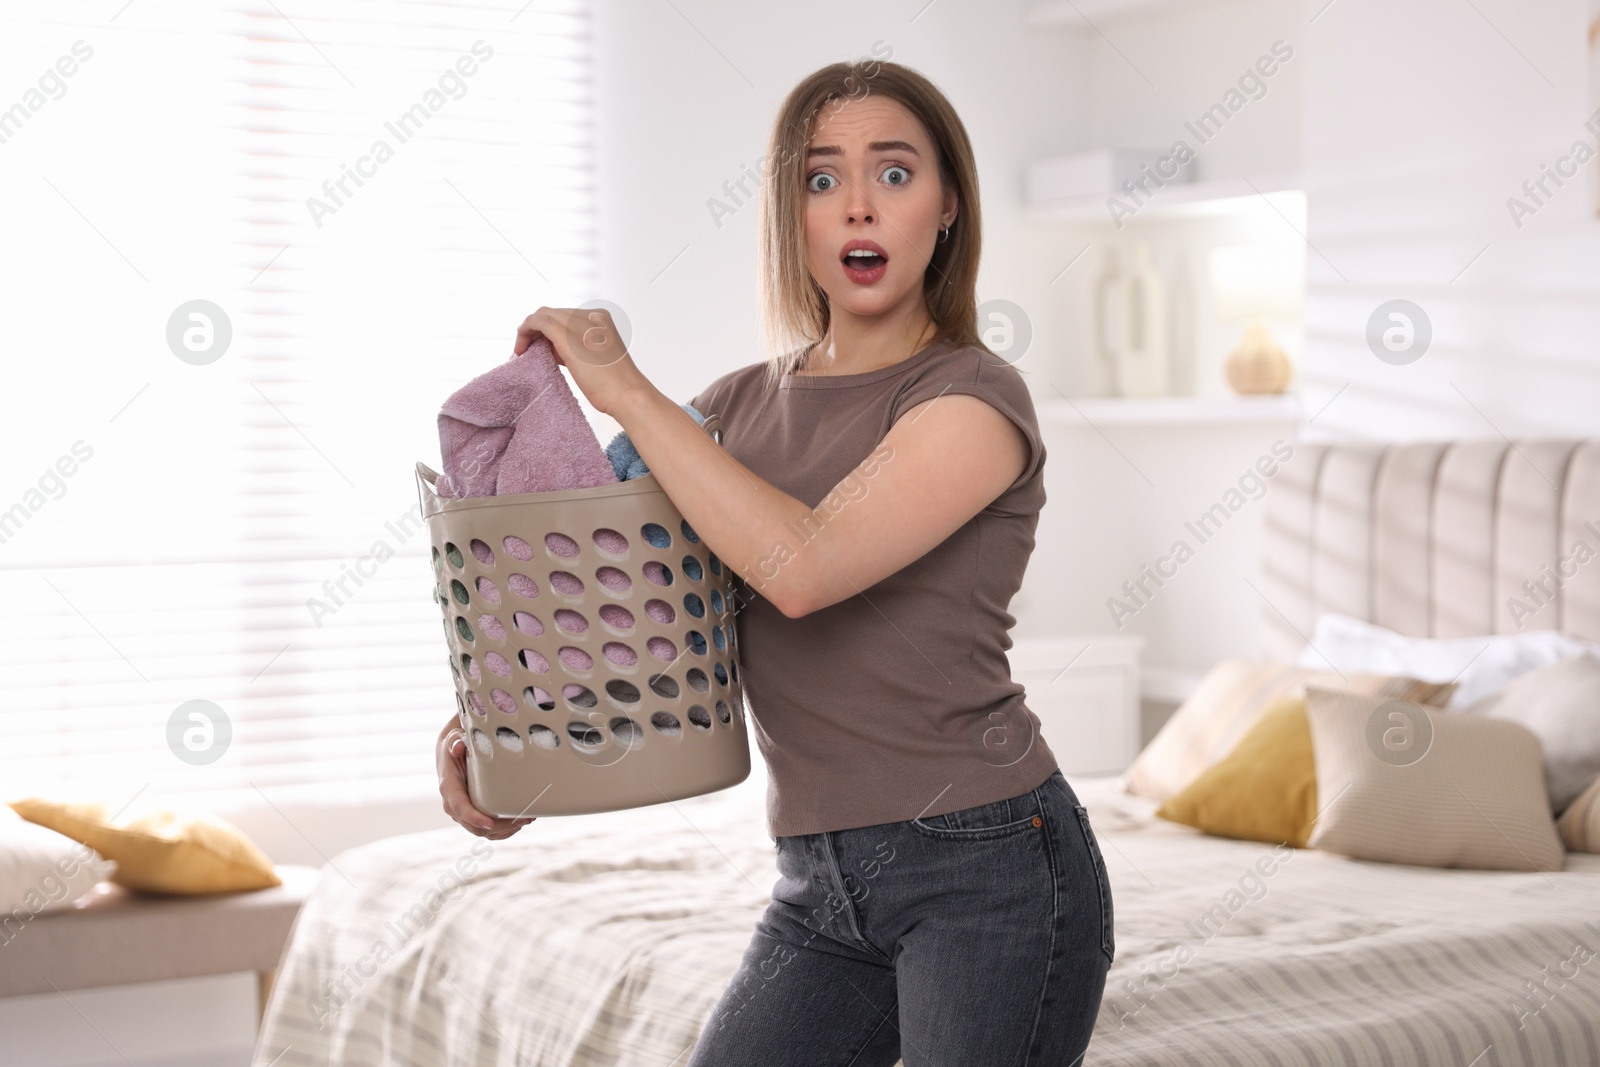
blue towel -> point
(625, 459)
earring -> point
(944, 235)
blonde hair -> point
(794, 308)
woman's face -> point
(872, 178)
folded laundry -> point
(518, 429)
(625, 459)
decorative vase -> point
(1258, 365)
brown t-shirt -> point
(896, 702)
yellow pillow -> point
(1264, 790)
(160, 851)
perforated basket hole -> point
(663, 685)
(721, 673)
(497, 664)
(534, 661)
(492, 626)
(503, 700)
(528, 623)
(482, 552)
(559, 544)
(459, 591)
(628, 733)
(438, 560)
(616, 616)
(571, 621)
(454, 669)
(697, 680)
(699, 716)
(566, 582)
(464, 629)
(523, 586)
(540, 699)
(691, 569)
(716, 601)
(716, 564)
(688, 531)
(488, 590)
(579, 696)
(476, 701)
(717, 639)
(508, 738)
(694, 605)
(657, 572)
(585, 735)
(619, 653)
(470, 665)
(481, 742)
(697, 642)
(666, 723)
(724, 716)
(613, 579)
(733, 671)
(661, 648)
(453, 554)
(517, 547)
(575, 659)
(543, 736)
(610, 542)
(622, 692)
(660, 611)
(656, 535)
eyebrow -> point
(875, 146)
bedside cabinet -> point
(1085, 691)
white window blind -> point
(209, 502)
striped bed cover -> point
(607, 939)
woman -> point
(941, 898)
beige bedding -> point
(607, 939)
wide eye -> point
(819, 174)
(897, 167)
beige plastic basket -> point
(546, 597)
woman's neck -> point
(824, 358)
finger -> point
(525, 332)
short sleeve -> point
(1000, 385)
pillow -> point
(1560, 703)
(1264, 790)
(1580, 823)
(1402, 784)
(161, 851)
(1226, 703)
(1478, 665)
(41, 870)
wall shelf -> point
(1168, 410)
(1270, 193)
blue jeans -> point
(978, 937)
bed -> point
(607, 939)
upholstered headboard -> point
(1433, 539)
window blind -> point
(373, 193)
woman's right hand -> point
(451, 760)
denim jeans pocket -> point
(1000, 818)
(1108, 937)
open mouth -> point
(864, 262)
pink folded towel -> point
(518, 429)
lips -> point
(864, 269)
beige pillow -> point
(1580, 823)
(1402, 783)
(160, 851)
(1560, 703)
(1226, 704)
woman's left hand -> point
(588, 344)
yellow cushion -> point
(160, 851)
(1264, 790)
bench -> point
(115, 936)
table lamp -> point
(1255, 283)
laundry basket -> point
(592, 647)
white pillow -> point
(1479, 665)
(1560, 703)
(42, 871)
